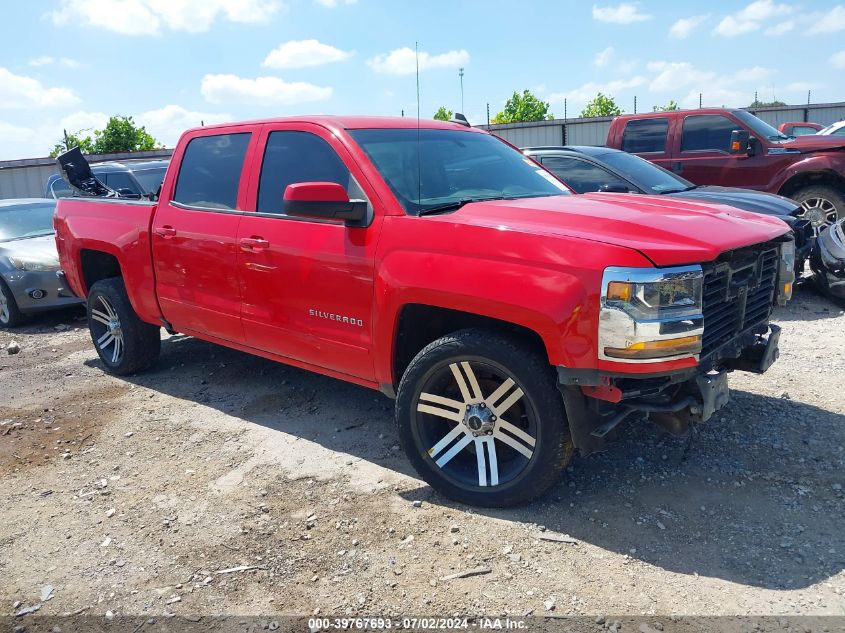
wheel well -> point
(419, 325)
(97, 265)
(807, 179)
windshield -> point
(760, 128)
(150, 179)
(835, 128)
(427, 169)
(646, 175)
(26, 220)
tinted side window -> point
(119, 180)
(579, 174)
(211, 171)
(292, 157)
(707, 132)
(645, 135)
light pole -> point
(461, 75)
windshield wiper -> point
(455, 205)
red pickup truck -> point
(512, 320)
(733, 148)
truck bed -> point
(115, 226)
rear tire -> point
(10, 315)
(481, 420)
(124, 343)
(821, 204)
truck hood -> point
(40, 248)
(668, 231)
(745, 199)
(810, 143)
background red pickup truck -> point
(697, 145)
(512, 320)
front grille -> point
(739, 292)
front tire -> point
(10, 315)
(821, 205)
(124, 343)
(481, 420)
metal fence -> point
(594, 131)
(27, 178)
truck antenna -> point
(419, 153)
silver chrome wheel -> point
(5, 313)
(477, 424)
(108, 336)
(821, 212)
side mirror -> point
(614, 188)
(739, 142)
(324, 200)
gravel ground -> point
(220, 483)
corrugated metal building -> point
(594, 131)
(27, 178)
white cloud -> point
(167, 124)
(671, 76)
(577, 97)
(624, 13)
(331, 4)
(684, 27)
(150, 17)
(830, 22)
(402, 61)
(801, 86)
(751, 18)
(602, 58)
(19, 92)
(268, 91)
(304, 53)
(837, 60)
(47, 60)
(779, 29)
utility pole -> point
(635, 104)
(808, 97)
(699, 100)
(461, 75)
(488, 114)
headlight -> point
(787, 271)
(35, 265)
(651, 314)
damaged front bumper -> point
(828, 261)
(597, 403)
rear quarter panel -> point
(118, 227)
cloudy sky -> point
(69, 64)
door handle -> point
(252, 244)
(166, 231)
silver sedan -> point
(29, 261)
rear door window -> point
(582, 176)
(210, 173)
(642, 136)
(707, 132)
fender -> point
(555, 297)
(118, 228)
(833, 164)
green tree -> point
(121, 134)
(766, 104)
(442, 114)
(601, 106)
(74, 140)
(523, 107)
(669, 107)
